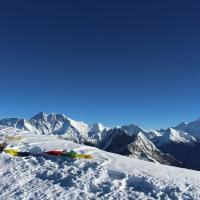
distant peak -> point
(98, 125)
(40, 116)
(131, 125)
(198, 120)
(132, 129)
(52, 114)
(183, 124)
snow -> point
(172, 135)
(153, 134)
(193, 127)
(58, 124)
(132, 129)
(80, 126)
(105, 176)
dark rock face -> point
(186, 153)
(136, 146)
(153, 154)
(116, 141)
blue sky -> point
(114, 62)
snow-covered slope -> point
(106, 176)
(192, 127)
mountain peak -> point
(97, 127)
(193, 127)
(177, 136)
(132, 129)
(42, 116)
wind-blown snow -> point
(106, 176)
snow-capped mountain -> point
(183, 146)
(135, 145)
(132, 129)
(181, 142)
(58, 124)
(193, 127)
(173, 136)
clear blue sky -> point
(114, 62)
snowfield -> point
(105, 176)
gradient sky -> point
(114, 62)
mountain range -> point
(177, 146)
